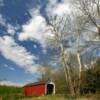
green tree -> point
(91, 79)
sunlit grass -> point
(51, 97)
(64, 97)
(15, 93)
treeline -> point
(10, 90)
(90, 81)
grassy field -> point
(56, 97)
(10, 93)
(15, 93)
(64, 97)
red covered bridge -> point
(39, 89)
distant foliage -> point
(55, 75)
(91, 79)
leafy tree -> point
(91, 79)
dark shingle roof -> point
(36, 83)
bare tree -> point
(89, 20)
(46, 73)
(65, 27)
(61, 29)
(91, 10)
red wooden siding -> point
(37, 90)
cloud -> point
(8, 67)
(2, 20)
(10, 83)
(9, 28)
(18, 54)
(56, 8)
(35, 28)
(61, 9)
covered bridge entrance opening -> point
(50, 88)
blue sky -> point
(23, 47)
(22, 41)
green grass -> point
(10, 93)
(15, 93)
(65, 97)
(51, 97)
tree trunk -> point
(99, 33)
(67, 71)
(79, 78)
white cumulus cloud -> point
(9, 28)
(61, 9)
(35, 28)
(18, 54)
(56, 8)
